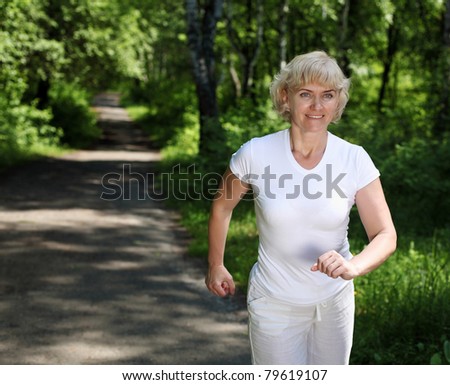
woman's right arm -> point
(231, 190)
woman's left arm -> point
(376, 218)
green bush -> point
(22, 129)
(403, 308)
(416, 181)
(71, 109)
(245, 121)
(166, 117)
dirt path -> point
(85, 280)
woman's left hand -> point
(335, 265)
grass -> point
(33, 152)
(163, 135)
(403, 307)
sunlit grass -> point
(33, 152)
(139, 112)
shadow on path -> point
(84, 280)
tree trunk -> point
(284, 11)
(248, 52)
(344, 60)
(236, 82)
(42, 95)
(201, 36)
(391, 50)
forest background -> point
(195, 76)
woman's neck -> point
(308, 145)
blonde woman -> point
(305, 181)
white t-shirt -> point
(300, 213)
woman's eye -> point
(328, 96)
(305, 95)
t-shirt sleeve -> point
(366, 169)
(240, 162)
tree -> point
(344, 41)
(282, 31)
(99, 43)
(201, 31)
(25, 54)
(392, 39)
(248, 43)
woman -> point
(305, 181)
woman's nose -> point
(316, 103)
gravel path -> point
(85, 280)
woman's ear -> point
(285, 99)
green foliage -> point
(54, 54)
(417, 184)
(442, 357)
(21, 125)
(21, 128)
(245, 121)
(242, 243)
(403, 307)
(183, 145)
(72, 113)
(172, 126)
(26, 51)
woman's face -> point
(312, 107)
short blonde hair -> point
(313, 67)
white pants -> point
(285, 334)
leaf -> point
(447, 350)
(436, 359)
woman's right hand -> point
(219, 281)
(231, 190)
